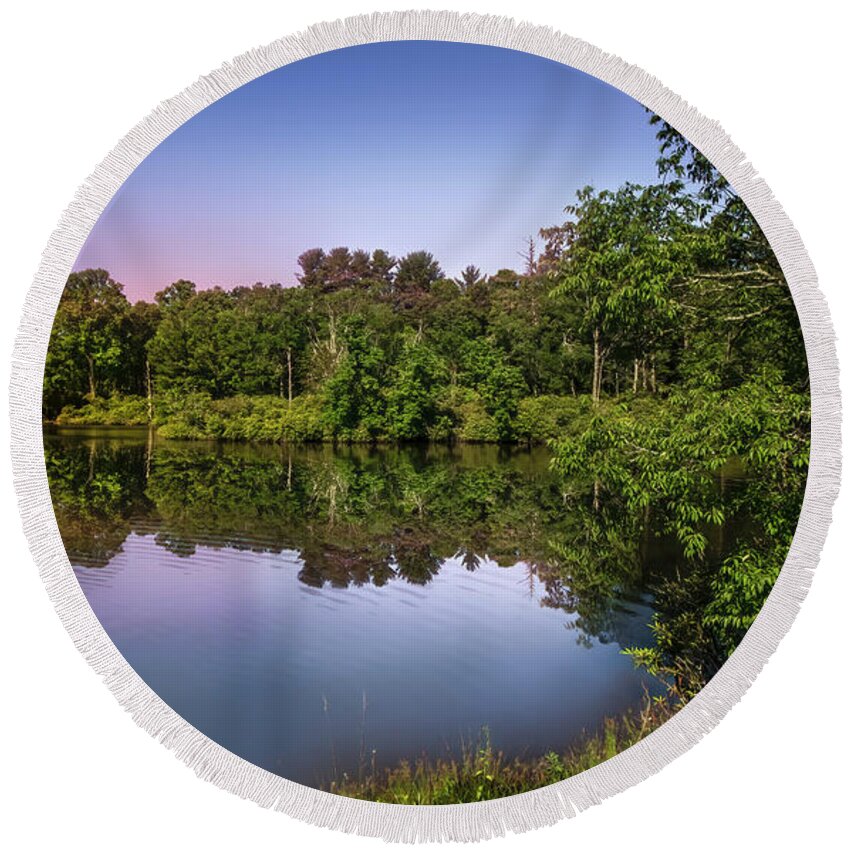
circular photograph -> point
(426, 422)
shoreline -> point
(49, 426)
(482, 773)
(537, 420)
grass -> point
(481, 773)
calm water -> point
(314, 609)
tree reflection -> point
(357, 516)
(97, 488)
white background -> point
(77, 77)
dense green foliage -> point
(373, 360)
(707, 279)
(650, 341)
(640, 291)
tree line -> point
(641, 290)
(649, 338)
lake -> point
(320, 611)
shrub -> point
(463, 416)
(184, 417)
(265, 419)
(547, 417)
(476, 425)
(116, 410)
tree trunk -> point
(653, 385)
(721, 533)
(597, 366)
(289, 373)
(149, 453)
(332, 334)
(92, 387)
(603, 356)
(635, 374)
(149, 388)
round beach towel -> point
(425, 425)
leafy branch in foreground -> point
(672, 462)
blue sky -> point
(463, 150)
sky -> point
(462, 150)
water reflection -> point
(263, 591)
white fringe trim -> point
(468, 821)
